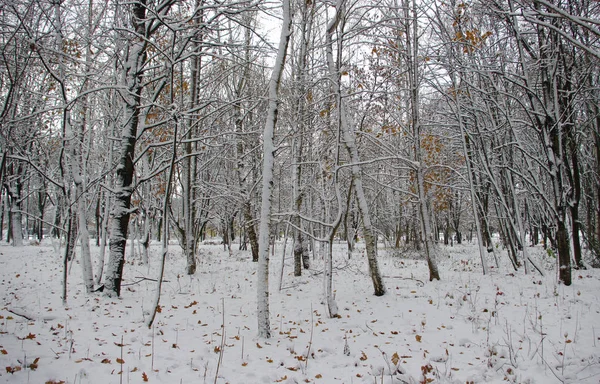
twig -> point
(121, 362)
(152, 362)
(312, 327)
(371, 329)
(552, 370)
(222, 342)
(421, 283)
(142, 279)
(21, 314)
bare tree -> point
(143, 26)
(264, 328)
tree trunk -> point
(132, 80)
(412, 49)
(16, 223)
(350, 144)
(264, 328)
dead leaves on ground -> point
(31, 336)
(16, 368)
(13, 369)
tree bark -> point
(132, 79)
(350, 143)
(264, 328)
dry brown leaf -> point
(13, 369)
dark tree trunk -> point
(136, 58)
(564, 257)
(251, 230)
(98, 221)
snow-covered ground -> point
(468, 328)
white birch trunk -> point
(264, 328)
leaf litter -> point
(468, 328)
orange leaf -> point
(120, 361)
(418, 338)
(144, 376)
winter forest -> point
(313, 160)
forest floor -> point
(503, 327)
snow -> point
(498, 328)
